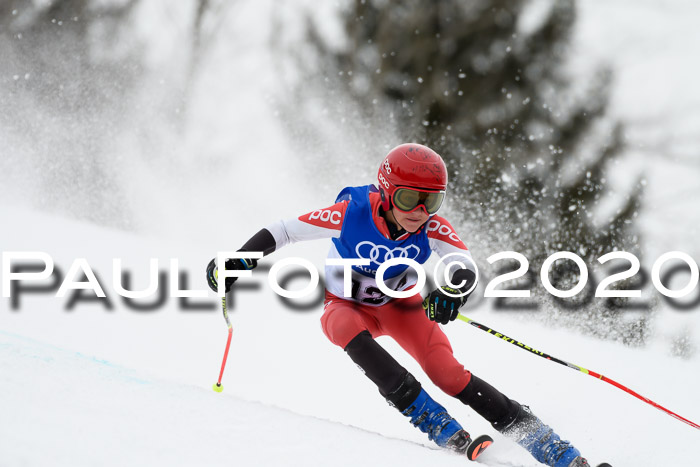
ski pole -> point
(575, 367)
(217, 386)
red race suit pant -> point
(405, 321)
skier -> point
(399, 220)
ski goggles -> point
(410, 199)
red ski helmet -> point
(413, 166)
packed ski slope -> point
(68, 408)
(122, 387)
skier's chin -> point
(412, 226)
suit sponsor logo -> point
(381, 253)
(435, 226)
(326, 215)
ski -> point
(478, 446)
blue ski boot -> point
(429, 416)
(542, 442)
(432, 418)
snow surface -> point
(74, 409)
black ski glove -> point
(231, 264)
(443, 308)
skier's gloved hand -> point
(443, 308)
(231, 264)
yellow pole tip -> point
(217, 387)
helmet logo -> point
(387, 167)
(384, 182)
